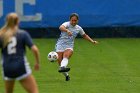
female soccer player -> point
(14, 62)
(65, 43)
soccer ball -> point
(52, 56)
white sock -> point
(64, 62)
(65, 74)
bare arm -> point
(36, 55)
(85, 36)
(63, 28)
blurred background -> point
(99, 18)
(112, 66)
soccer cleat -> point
(64, 69)
(67, 78)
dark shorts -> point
(15, 70)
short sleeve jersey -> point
(16, 48)
(64, 38)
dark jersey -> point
(13, 55)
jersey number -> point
(12, 46)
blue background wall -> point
(93, 13)
(99, 18)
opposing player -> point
(14, 62)
(65, 43)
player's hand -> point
(37, 66)
(69, 33)
(95, 42)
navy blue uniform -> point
(14, 62)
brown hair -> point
(10, 27)
(74, 14)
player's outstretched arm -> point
(85, 36)
(37, 58)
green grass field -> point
(112, 66)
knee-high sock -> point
(64, 62)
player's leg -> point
(66, 74)
(66, 55)
(60, 57)
(9, 86)
(29, 84)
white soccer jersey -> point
(65, 41)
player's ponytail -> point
(9, 29)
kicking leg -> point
(66, 55)
(63, 62)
